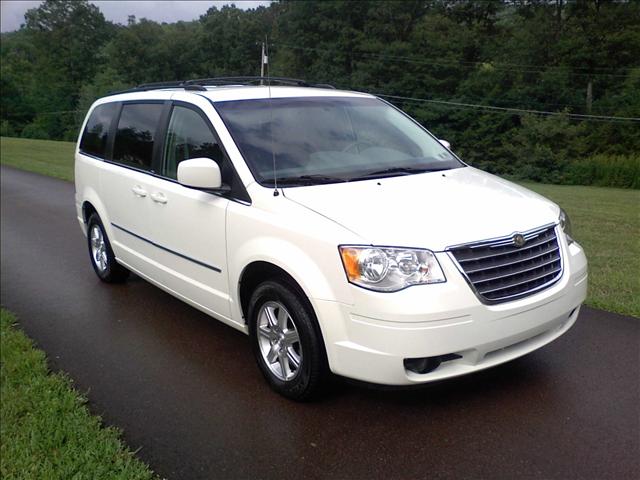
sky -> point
(12, 14)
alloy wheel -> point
(98, 248)
(279, 341)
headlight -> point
(565, 224)
(389, 269)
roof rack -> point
(248, 80)
(144, 87)
(200, 83)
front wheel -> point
(286, 341)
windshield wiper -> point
(399, 170)
(314, 179)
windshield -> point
(330, 139)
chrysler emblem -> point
(518, 240)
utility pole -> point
(264, 60)
(589, 96)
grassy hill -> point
(606, 221)
(47, 157)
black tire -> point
(311, 375)
(112, 272)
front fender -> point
(321, 278)
(286, 255)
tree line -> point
(546, 90)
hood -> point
(431, 210)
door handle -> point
(158, 197)
(138, 191)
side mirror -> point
(200, 173)
(445, 144)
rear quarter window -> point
(96, 132)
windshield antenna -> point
(265, 60)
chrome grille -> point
(499, 271)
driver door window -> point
(188, 136)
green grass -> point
(46, 430)
(47, 157)
(606, 221)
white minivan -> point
(328, 225)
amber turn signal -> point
(350, 262)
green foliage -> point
(606, 170)
(67, 35)
(46, 429)
(141, 53)
(6, 129)
(534, 55)
(226, 42)
(103, 83)
(541, 149)
(17, 57)
(46, 62)
(34, 130)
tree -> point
(567, 57)
(229, 40)
(69, 33)
(64, 39)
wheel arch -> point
(87, 210)
(91, 204)
(259, 271)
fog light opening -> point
(422, 365)
(428, 364)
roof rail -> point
(249, 80)
(144, 87)
(199, 83)
(176, 84)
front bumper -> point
(370, 339)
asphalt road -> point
(186, 391)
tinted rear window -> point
(96, 132)
(136, 133)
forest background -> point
(547, 91)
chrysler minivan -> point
(328, 225)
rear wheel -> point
(286, 341)
(102, 258)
